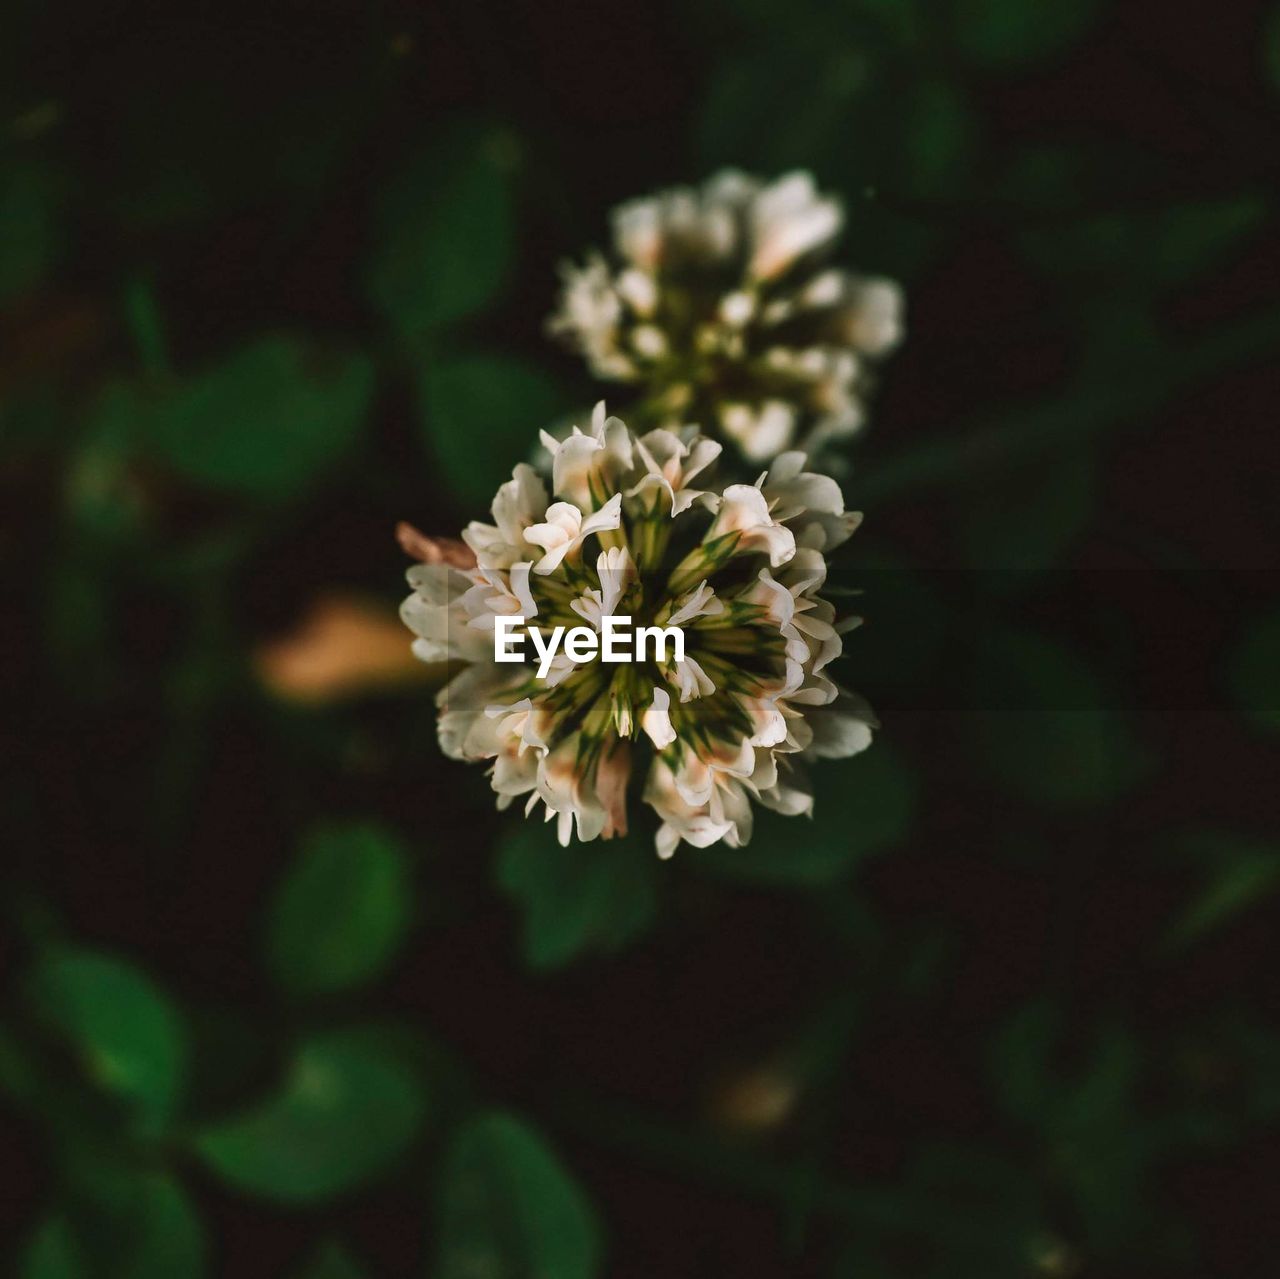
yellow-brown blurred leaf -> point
(343, 647)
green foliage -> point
(224, 475)
(445, 232)
(506, 1207)
(32, 239)
(187, 149)
(1237, 874)
(158, 1234)
(1085, 1118)
(824, 83)
(1253, 673)
(902, 657)
(342, 911)
(481, 415)
(864, 807)
(1048, 728)
(127, 1035)
(1163, 247)
(1041, 509)
(265, 423)
(331, 1262)
(984, 1211)
(105, 504)
(142, 312)
(1190, 239)
(77, 608)
(901, 19)
(576, 901)
(53, 1253)
(1271, 46)
(1043, 177)
(831, 67)
(940, 139)
(1249, 1048)
(347, 1109)
(1003, 34)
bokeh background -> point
(284, 996)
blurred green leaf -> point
(1047, 729)
(899, 658)
(160, 1237)
(902, 19)
(586, 898)
(32, 238)
(342, 911)
(1038, 511)
(1101, 1094)
(1008, 434)
(444, 232)
(1043, 176)
(1021, 1061)
(1253, 673)
(481, 415)
(984, 1212)
(229, 1057)
(53, 1253)
(728, 127)
(35, 419)
(1087, 250)
(1084, 1116)
(78, 625)
(892, 242)
(1167, 247)
(1098, 1144)
(1271, 46)
(858, 1258)
(126, 1032)
(266, 422)
(332, 1262)
(1010, 33)
(841, 94)
(442, 1076)
(824, 81)
(347, 1110)
(104, 500)
(16, 1073)
(1192, 238)
(76, 1120)
(146, 327)
(198, 140)
(864, 806)
(1252, 1049)
(1119, 342)
(506, 1208)
(940, 138)
(1239, 873)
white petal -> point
(656, 721)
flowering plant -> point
(637, 527)
(716, 302)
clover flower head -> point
(717, 303)
(637, 526)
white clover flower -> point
(564, 530)
(738, 568)
(716, 304)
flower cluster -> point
(717, 304)
(635, 526)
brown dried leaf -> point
(344, 646)
(434, 550)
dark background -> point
(1008, 1006)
